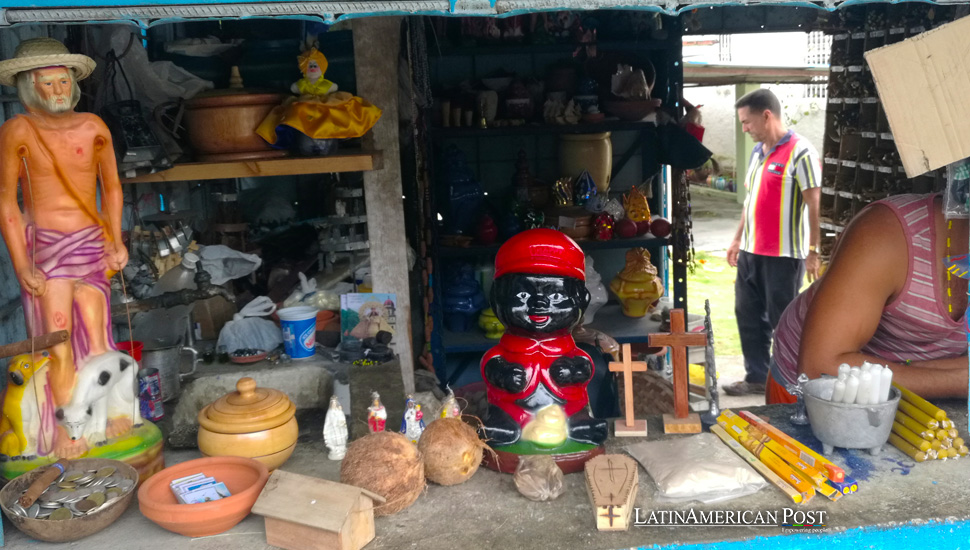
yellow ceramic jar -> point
(637, 285)
(590, 152)
(251, 422)
(488, 322)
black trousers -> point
(764, 287)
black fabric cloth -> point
(764, 287)
(670, 144)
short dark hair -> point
(759, 101)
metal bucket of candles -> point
(848, 425)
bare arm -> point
(735, 248)
(12, 223)
(812, 198)
(113, 196)
(867, 273)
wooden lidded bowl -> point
(251, 422)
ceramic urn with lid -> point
(252, 422)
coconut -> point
(388, 464)
(452, 451)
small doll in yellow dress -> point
(320, 112)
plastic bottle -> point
(180, 277)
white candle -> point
(865, 389)
(855, 371)
(866, 365)
(851, 389)
(885, 382)
(875, 390)
(838, 393)
(843, 376)
(844, 368)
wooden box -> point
(307, 513)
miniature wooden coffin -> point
(611, 481)
(307, 513)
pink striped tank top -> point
(914, 326)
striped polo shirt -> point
(914, 326)
(775, 214)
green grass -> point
(714, 280)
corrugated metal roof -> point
(166, 11)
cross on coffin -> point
(629, 427)
(678, 339)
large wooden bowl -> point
(69, 529)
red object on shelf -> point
(695, 130)
(626, 228)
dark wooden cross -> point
(630, 427)
(678, 339)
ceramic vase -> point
(637, 285)
(589, 152)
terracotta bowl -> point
(68, 529)
(244, 477)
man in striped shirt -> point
(776, 243)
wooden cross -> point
(683, 421)
(41, 342)
(629, 427)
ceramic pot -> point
(637, 285)
(490, 324)
(590, 152)
(221, 124)
(250, 422)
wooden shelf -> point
(533, 128)
(343, 162)
(609, 319)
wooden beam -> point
(346, 162)
(377, 43)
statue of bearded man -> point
(63, 248)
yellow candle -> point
(918, 415)
(902, 445)
(909, 422)
(909, 436)
(930, 409)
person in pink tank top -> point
(886, 298)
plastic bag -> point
(956, 204)
(308, 295)
(247, 330)
(226, 264)
(699, 467)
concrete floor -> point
(487, 511)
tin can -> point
(150, 394)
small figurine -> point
(584, 189)
(335, 430)
(320, 111)
(376, 415)
(563, 191)
(603, 227)
(637, 285)
(487, 231)
(636, 205)
(800, 417)
(488, 322)
(539, 294)
(597, 291)
(450, 409)
(412, 425)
